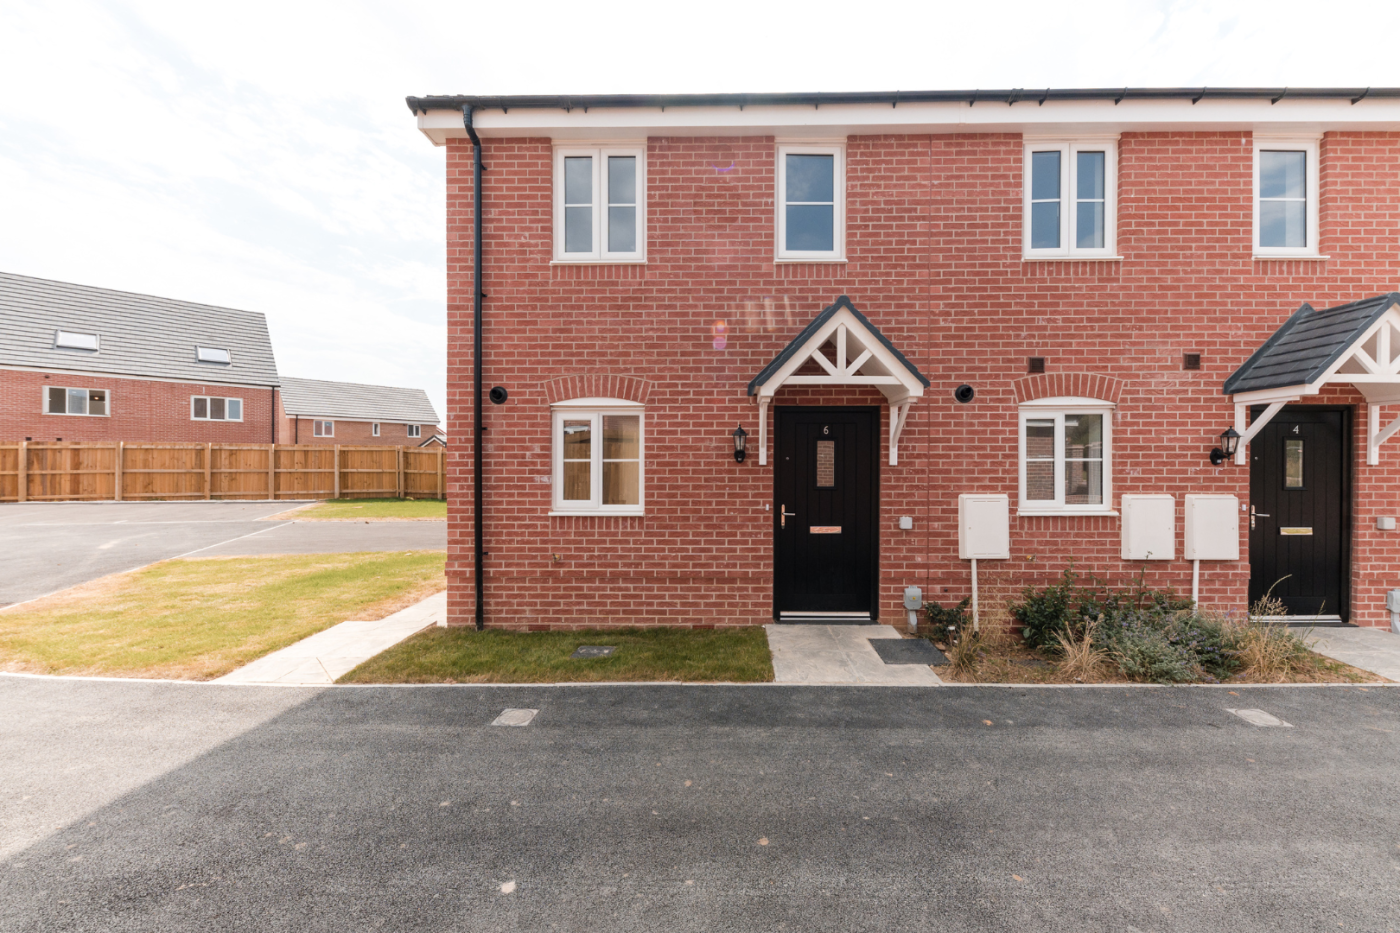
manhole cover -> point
(1257, 717)
(593, 651)
(907, 651)
(515, 717)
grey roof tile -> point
(139, 335)
(353, 401)
(1309, 342)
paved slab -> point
(1371, 649)
(50, 546)
(678, 808)
(838, 654)
(326, 656)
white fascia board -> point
(1067, 118)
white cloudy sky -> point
(259, 154)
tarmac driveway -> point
(50, 546)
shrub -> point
(1080, 658)
(1063, 608)
(948, 625)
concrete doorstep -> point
(322, 658)
(839, 654)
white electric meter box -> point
(984, 527)
(1149, 527)
(1212, 528)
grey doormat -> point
(907, 651)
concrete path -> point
(1371, 649)
(327, 655)
(839, 654)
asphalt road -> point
(131, 806)
(50, 546)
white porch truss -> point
(1356, 344)
(862, 357)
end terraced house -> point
(781, 356)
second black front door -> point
(1299, 511)
(825, 494)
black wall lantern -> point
(1229, 443)
(740, 439)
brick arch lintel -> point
(1055, 385)
(597, 385)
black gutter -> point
(477, 426)
(895, 98)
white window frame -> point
(1057, 408)
(600, 152)
(1309, 146)
(218, 355)
(415, 430)
(374, 428)
(837, 149)
(317, 429)
(44, 401)
(596, 408)
(210, 398)
(1069, 149)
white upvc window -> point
(1066, 457)
(61, 400)
(598, 450)
(211, 408)
(600, 203)
(374, 429)
(811, 201)
(1285, 197)
(323, 429)
(1071, 198)
(415, 430)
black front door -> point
(825, 493)
(1300, 510)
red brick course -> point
(934, 260)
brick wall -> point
(141, 410)
(934, 260)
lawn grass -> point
(466, 656)
(200, 619)
(373, 510)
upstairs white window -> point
(64, 401)
(600, 204)
(811, 202)
(1065, 456)
(1070, 199)
(213, 355)
(207, 408)
(598, 457)
(323, 429)
(1285, 197)
(415, 430)
(70, 340)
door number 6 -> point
(826, 429)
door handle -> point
(1253, 515)
(784, 515)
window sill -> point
(1290, 256)
(1071, 258)
(788, 260)
(597, 262)
(1060, 513)
(585, 513)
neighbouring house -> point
(91, 364)
(782, 356)
(316, 411)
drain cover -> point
(907, 651)
(593, 651)
(1257, 717)
(515, 717)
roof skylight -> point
(213, 355)
(74, 341)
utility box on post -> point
(1212, 528)
(984, 527)
(1149, 527)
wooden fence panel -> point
(65, 471)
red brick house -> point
(317, 411)
(1004, 325)
(91, 364)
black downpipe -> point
(477, 426)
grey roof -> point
(352, 401)
(812, 328)
(1308, 343)
(138, 335)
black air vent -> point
(1035, 364)
(1191, 361)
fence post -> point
(337, 471)
(117, 479)
(398, 470)
(441, 492)
(23, 471)
(272, 471)
(208, 455)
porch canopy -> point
(859, 356)
(1356, 343)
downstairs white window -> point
(1065, 454)
(415, 430)
(323, 429)
(209, 408)
(598, 463)
(64, 401)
